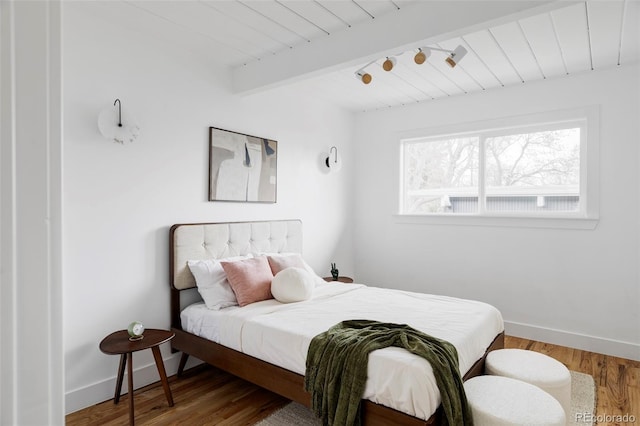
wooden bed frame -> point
(276, 379)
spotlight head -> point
(363, 76)
(454, 58)
(389, 63)
(422, 55)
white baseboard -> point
(96, 393)
(584, 342)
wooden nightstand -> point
(340, 279)
(118, 343)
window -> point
(531, 168)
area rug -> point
(583, 403)
(583, 400)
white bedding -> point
(280, 334)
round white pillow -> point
(292, 285)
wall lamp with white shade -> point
(420, 58)
(117, 125)
(332, 161)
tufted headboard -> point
(200, 241)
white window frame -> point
(585, 218)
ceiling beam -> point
(416, 24)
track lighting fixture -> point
(455, 56)
(389, 63)
(363, 76)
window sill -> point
(555, 222)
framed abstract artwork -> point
(242, 168)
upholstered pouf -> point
(535, 368)
(501, 401)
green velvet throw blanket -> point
(336, 369)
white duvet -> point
(280, 334)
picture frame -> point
(242, 168)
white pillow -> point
(212, 282)
(292, 259)
(292, 285)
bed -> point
(266, 342)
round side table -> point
(118, 343)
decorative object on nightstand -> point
(119, 343)
(135, 331)
(334, 272)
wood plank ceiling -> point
(570, 38)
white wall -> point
(579, 288)
(120, 200)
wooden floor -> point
(208, 396)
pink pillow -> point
(250, 279)
(281, 262)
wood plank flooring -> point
(204, 395)
(208, 396)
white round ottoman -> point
(501, 401)
(535, 368)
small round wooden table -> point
(118, 343)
